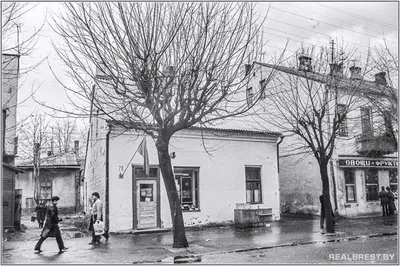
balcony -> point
(376, 145)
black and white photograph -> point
(200, 132)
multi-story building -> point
(11, 199)
(365, 154)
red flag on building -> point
(142, 149)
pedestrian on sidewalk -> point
(384, 196)
(41, 213)
(323, 216)
(96, 215)
(392, 206)
(51, 228)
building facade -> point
(9, 74)
(216, 171)
(59, 175)
(365, 154)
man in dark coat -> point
(41, 213)
(383, 195)
(51, 228)
(391, 198)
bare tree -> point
(384, 60)
(63, 132)
(164, 67)
(33, 136)
(309, 101)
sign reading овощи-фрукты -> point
(376, 163)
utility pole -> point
(332, 49)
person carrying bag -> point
(96, 220)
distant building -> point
(60, 175)
(9, 74)
(365, 156)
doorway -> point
(146, 199)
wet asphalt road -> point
(345, 252)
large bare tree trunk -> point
(164, 159)
(327, 201)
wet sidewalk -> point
(292, 230)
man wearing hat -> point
(51, 228)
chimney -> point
(305, 63)
(336, 69)
(247, 69)
(355, 72)
(380, 78)
(76, 146)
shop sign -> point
(368, 163)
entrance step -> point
(150, 231)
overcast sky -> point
(358, 24)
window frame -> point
(249, 95)
(367, 171)
(343, 128)
(352, 172)
(392, 184)
(47, 181)
(252, 181)
(366, 121)
(195, 187)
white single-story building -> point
(216, 172)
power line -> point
(319, 21)
(360, 16)
(338, 20)
(296, 36)
(313, 31)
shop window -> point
(349, 178)
(371, 184)
(393, 181)
(187, 184)
(253, 185)
(343, 125)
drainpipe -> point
(277, 149)
(107, 178)
(277, 157)
(334, 186)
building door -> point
(146, 200)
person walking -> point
(41, 213)
(392, 206)
(96, 215)
(51, 228)
(383, 195)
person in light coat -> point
(95, 216)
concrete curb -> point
(171, 260)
